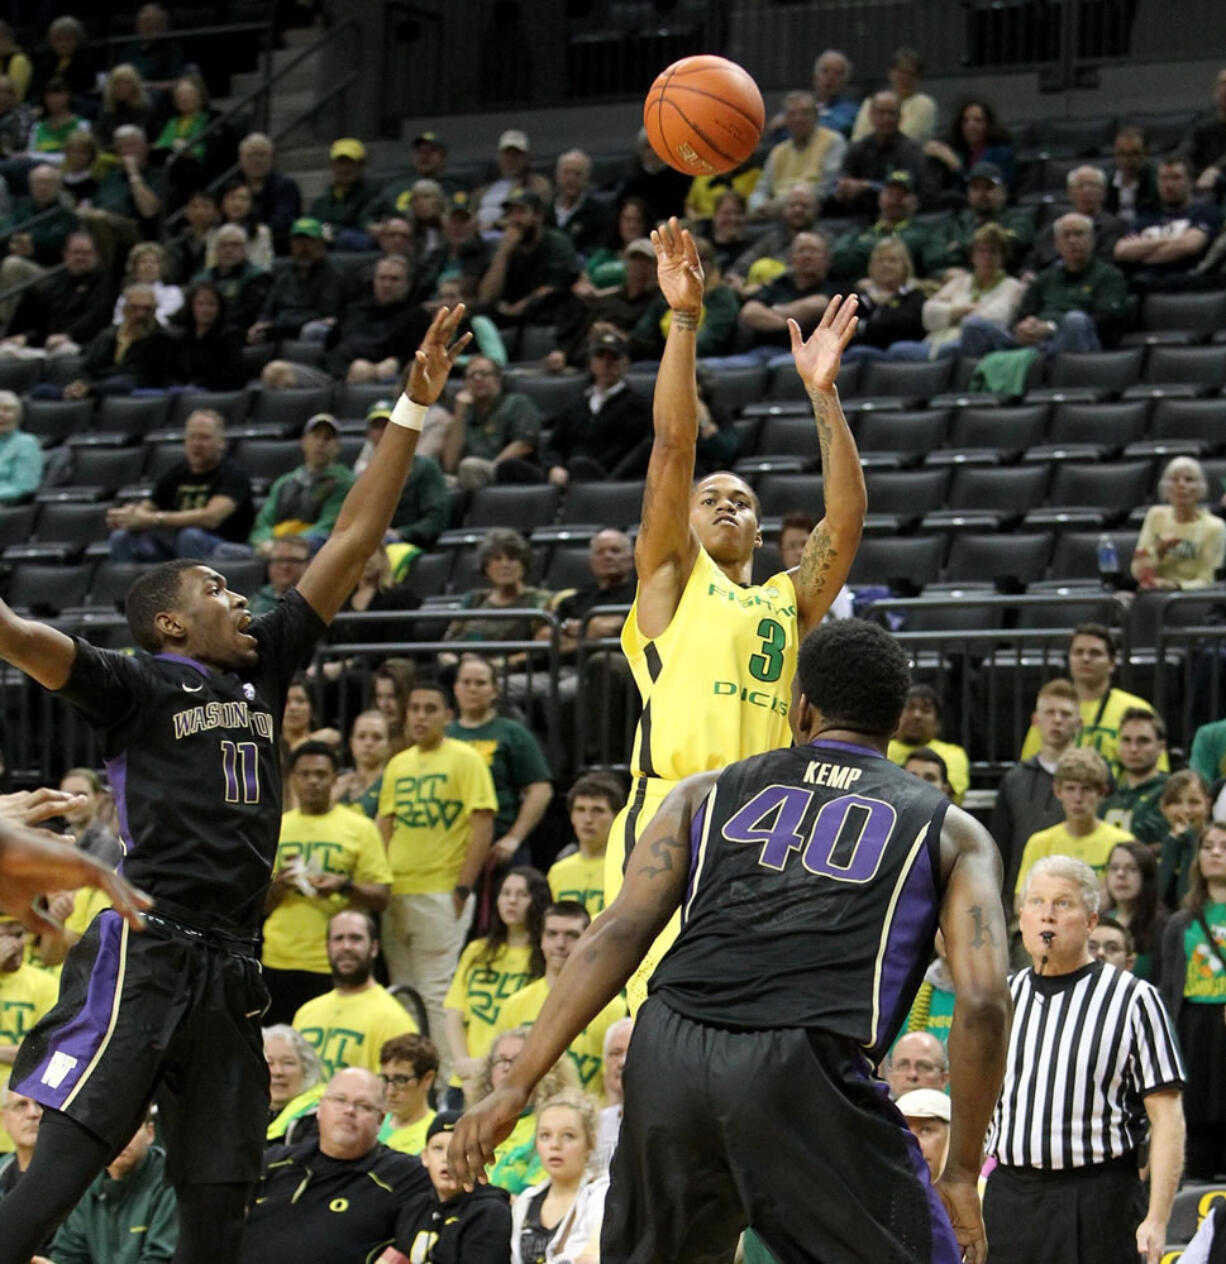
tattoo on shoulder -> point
(983, 929)
(663, 860)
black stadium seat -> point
(71, 522)
(1202, 367)
(609, 504)
(1021, 557)
(132, 414)
(1079, 137)
(1203, 419)
(911, 431)
(429, 573)
(16, 524)
(19, 375)
(40, 589)
(1199, 316)
(732, 389)
(1075, 555)
(788, 436)
(268, 458)
(550, 392)
(1113, 488)
(54, 420)
(1112, 371)
(914, 381)
(290, 409)
(898, 560)
(1112, 426)
(109, 468)
(232, 405)
(110, 583)
(568, 568)
(906, 494)
(790, 493)
(521, 507)
(1006, 490)
(1007, 430)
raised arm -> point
(666, 547)
(44, 653)
(595, 972)
(832, 545)
(367, 511)
(973, 923)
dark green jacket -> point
(49, 235)
(1099, 290)
(343, 209)
(1135, 808)
(849, 262)
(424, 509)
(953, 247)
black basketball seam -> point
(702, 135)
(660, 113)
(711, 96)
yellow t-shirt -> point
(26, 994)
(479, 991)
(349, 1029)
(431, 795)
(339, 841)
(1187, 552)
(1100, 732)
(587, 1048)
(956, 762)
(716, 683)
(1094, 848)
(409, 1140)
(704, 194)
(577, 878)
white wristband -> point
(408, 414)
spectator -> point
(986, 291)
(762, 262)
(458, 1226)
(707, 191)
(348, 1026)
(395, 199)
(1087, 188)
(932, 1011)
(577, 876)
(125, 103)
(1132, 182)
(560, 1219)
(426, 225)
(891, 306)
(78, 170)
(287, 563)
(129, 1215)
(494, 968)
(831, 71)
(725, 227)
(307, 291)
(19, 1120)
(208, 353)
(337, 1198)
(436, 815)
(717, 321)
(21, 459)
(1133, 803)
(897, 205)
(328, 859)
(425, 507)
(62, 313)
(43, 242)
(56, 122)
(563, 925)
(181, 145)
(1168, 243)
(514, 172)
(794, 531)
(918, 111)
(146, 267)
(987, 198)
(523, 783)
(129, 199)
(68, 57)
(927, 1114)
(1093, 1057)
(1131, 897)
(393, 679)
(574, 209)
(918, 1060)
(238, 282)
(160, 59)
(377, 592)
(653, 180)
(1205, 144)
(605, 267)
(1185, 805)
(1080, 783)
(408, 1067)
(16, 119)
(618, 311)
(305, 501)
(870, 159)
(1208, 757)
(975, 136)
(811, 155)
(196, 506)
(295, 1082)
(276, 198)
(1076, 304)
(238, 211)
(1025, 801)
(298, 725)
(27, 992)
(1111, 942)
(370, 749)
(1091, 662)
(919, 726)
(15, 64)
(928, 766)
(505, 558)
(530, 275)
(616, 1046)
(1182, 544)
(187, 251)
(1193, 982)
(598, 435)
(464, 252)
(490, 429)
(429, 157)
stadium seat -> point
(1003, 491)
(1201, 367)
(790, 493)
(110, 583)
(521, 507)
(132, 414)
(303, 351)
(429, 573)
(290, 408)
(268, 458)
(16, 524)
(910, 431)
(72, 522)
(1111, 371)
(40, 589)
(245, 575)
(1108, 426)
(1082, 137)
(109, 468)
(787, 436)
(1018, 557)
(163, 457)
(732, 389)
(914, 381)
(19, 375)
(609, 504)
(232, 405)
(956, 609)
(1194, 316)
(535, 342)
(54, 420)
(905, 494)
(352, 401)
(60, 370)
(568, 568)
(1203, 419)
(1163, 129)
(1008, 430)
(898, 561)
(550, 392)
(1113, 488)
(1075, 556)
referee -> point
(1092, 1058)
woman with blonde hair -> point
(147, 266)
(1182, 544)
(125, 103)
(891, 305)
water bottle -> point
(1108, 561)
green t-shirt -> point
(1135, 809)
(1205, 981)
(367, 801)
(513, 757)
(1209, 751)
(513, 417)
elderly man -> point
(1093, 1074)
(42, 242)
(342, 206)
(1087, 189)
(198, 504)
(19, 1119)
(831, 71)
(1076, 304)
(918, 1060)
(927, 1114)
(514, 172)
(811, 155)
(62, 313)
(530, 276)
(276, 199)
(242, 286)
(130, 193)
(798, 214)
(308, 291)
(896, 204)
(573, 209)
(1168, 243)
(494, 433)
(870, 160)
(340, 1197)
(286, 565)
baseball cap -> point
(306, 227)
(460, 203)
(608, 342)
(986, 171)
(513, 138)
(640, 246)
(428, 138)
(524, 197)
(380, 410)
(348, 147)
(321, 419)
(901, 176)
(444, 1121)
(924, 1103)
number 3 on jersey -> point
(241, 769)
(846, 842)
(767, 664)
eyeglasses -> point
(1111, 948)
(502, 1064)
(922, 1066)
(475, 373)
(399, 1081)
(367, 1108)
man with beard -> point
(919, 727)
(532, 269)
(348, 1026)
(60, 315)
(798, 214)
(126, 357)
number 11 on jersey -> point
(241, 768)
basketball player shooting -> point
(190, 731)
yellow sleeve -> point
(554, 880)
(457, 993)
(1031, 744)
(958, 765)
(372, 863)
(481, 795)
(1035, 849)
(509, 1014)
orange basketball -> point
(703, 115)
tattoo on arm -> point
(685, 320)
(821, 414)
(662, 851)
(815, 562)
(983, 930)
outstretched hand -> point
(678, 267)
(818, 357)
(432, 365)
(483, 1127)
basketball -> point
(704, 115)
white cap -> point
(513, 138)
(924, 1103)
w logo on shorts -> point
(57, 1069)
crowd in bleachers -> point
(196, 362)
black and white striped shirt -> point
(1085, 1050)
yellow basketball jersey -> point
(716, 683)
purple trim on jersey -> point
(179, 658)
(81, 1036)
(117, 778)
(696, 828)
(853, 748)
